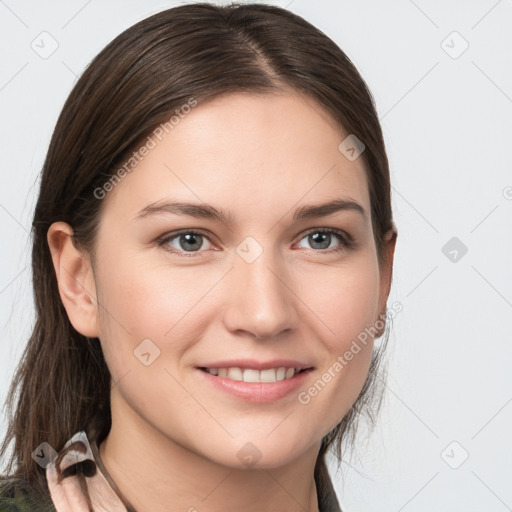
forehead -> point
(249, 153)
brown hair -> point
(133, 85)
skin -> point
(259, 157)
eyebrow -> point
(206, 211)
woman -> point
(163, 376)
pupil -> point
(321, 238)
(188, 239)
(318, 238)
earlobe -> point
(75, 279)
(390, 243)
(387, 272)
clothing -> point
(75, 483)
(79, 482)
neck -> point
(154, 472)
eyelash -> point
(346, 241)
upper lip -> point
(257, 365)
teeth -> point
(281, 373)
(235, 374)
(250, 375)
(268, 375)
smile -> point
(252, 375)
(254, 381)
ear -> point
(386, 272)
(75, 279)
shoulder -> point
(16, 495)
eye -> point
(188, 241)
(321, 240)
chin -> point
(263, 453)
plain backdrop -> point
(440, 73)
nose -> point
(261, 300)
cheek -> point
(131, 311)
(142, 301)
(344, 298)
(144, 330)
(346, 303)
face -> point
(193, 302)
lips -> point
(262, 390)
(251, 371)
(254, 375)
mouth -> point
(268, 375)
(253, 381)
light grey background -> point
(447, 121)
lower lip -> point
(259, 392)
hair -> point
(201, 51)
